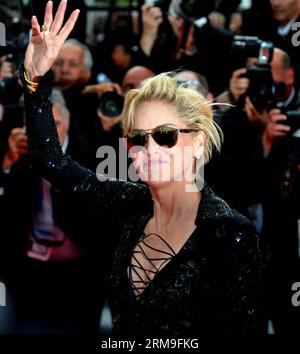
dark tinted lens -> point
(136, 138)
(165, 136)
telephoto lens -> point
(111, 104)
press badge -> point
(40, 252)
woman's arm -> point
(45, 150)
(44, 46)
(81, 186)
(58, 168)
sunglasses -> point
(162, 135)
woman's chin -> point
(155, 182)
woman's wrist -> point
(32, 81)
(31, 76)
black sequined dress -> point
(211, 286)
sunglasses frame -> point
(147, 132)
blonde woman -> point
(186, 263)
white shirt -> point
(284, 30)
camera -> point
(293, 120)
(292, 140)
(247, 46)
(262, 89)
(111, 104)
(15, 46)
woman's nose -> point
(151, 144)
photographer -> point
(10, 89)
(260, 138)
(152, 18)
(11, 116)
(7, 68)
(134, 77)
(72, 74)
(282, 75)
(243, 126)
(181, 34)
(274, 129)
(281, 144)
(194, 81)
(49, 263)
(285, 13)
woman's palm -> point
(42, 57)
(45, 46)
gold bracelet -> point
(32, 86)
(28, 81)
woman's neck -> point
(173, 203)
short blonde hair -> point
(193, 109)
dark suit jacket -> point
(286, 44)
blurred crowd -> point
(246, 61)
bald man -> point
(135, 76)
(286, 15)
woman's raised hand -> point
(47, 41)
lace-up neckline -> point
(153, 258)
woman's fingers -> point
(48, 18)
(59, 17)
(69, 25)
(36, 30)
(38, 60)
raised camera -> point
(111, 104)
(248, 46)
(261, 90)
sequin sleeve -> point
(244, 283)
(82, 185)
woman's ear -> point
(199, 144)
